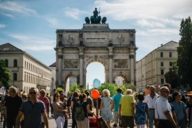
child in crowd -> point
(141, 112)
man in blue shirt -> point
(116, 100)
(32, 110)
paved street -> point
(53, 125)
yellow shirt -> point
(126, 103)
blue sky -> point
(31, 24)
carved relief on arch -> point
(123, 74)
(103, 59)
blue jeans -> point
(151, 117)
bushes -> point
(113, 87)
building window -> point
(162, 72)
(162, 81)
(161, 54)
(170, 54)
(14, 76)
(14, 63)
(80, 35)
(131, 35)
(162, 64)
(6, 62)
(170, 63)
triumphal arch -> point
(77, 48)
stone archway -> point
(95, 71)
(114, 48)
(97, 58)
(66, 77)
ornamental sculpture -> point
(95, 19)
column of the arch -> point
(59, 66)
(81, 68)
(132, 67)
(110, 64)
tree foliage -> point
(172, 76)
(75, 87)
(4, 74)
(113, 87)
(184, 52)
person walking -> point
(126, 109)
(116, 101)
(189, 109)
(74, 100)
(82, 111)
(12, 103)
(43, 97)
(163, 110)
(58, 111)
(32, 110)
(150, 99)
(106, 107)
(141, 116)
(180, 109)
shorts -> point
(127, 121)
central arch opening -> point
(95, 75)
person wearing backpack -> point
(81, 112)
(74, 99)
(141, 115)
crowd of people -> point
(159, 108)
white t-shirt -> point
(162, 105)
(150, 101)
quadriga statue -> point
(104, 19)
(95, 19)
(87, 20)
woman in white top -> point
(106, 106)
(58, 111)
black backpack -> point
(79, 112)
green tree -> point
(75, 87)
(184, 52)
(4, 74)
(112, 88)
(172, 76)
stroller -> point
(97, 122)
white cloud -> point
(155, 21)
(13, 7)
(142, 9)
(8, 15)
(150, 23)
(33, 43)
(54, 22)
(2, 26)
(73, 13)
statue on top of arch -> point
(95, 19)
